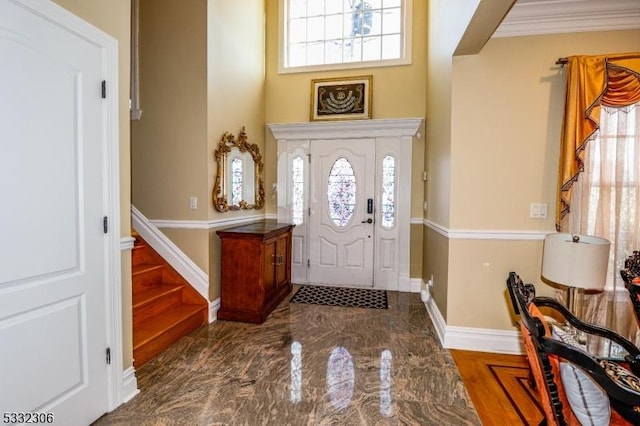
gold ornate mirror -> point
(238, 182)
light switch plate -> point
(538, 210)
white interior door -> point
(341, 227)
(53, 319)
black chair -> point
(631, 277)
(545, 354)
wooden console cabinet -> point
(256, 270)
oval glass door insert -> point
(341, 192)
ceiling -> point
(533, 17)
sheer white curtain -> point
(607, 205)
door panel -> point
(270, 267)
(355, 254)
(341, 239)
(281, 268)
(328, 254)
(53, 251)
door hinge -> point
(308, 263)
(108, 353)
(309, 209)
(105, 224)
(309, 158)
(104, 89)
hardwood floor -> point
(498, 386)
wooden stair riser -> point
(144, 351)
(165, 306)
(142, 254)
(167, 301)
(148, 278)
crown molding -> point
(347, 129)
(537, 17)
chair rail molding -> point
(485, 234)
(191, 272)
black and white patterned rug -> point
(339, 296)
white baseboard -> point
(409, 285)
(195, 276)
(214, 307)
(474, 339)
(416, 285)
(483, 340)
(129, 384)
(126, 243)
(437, 319)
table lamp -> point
(577, 262)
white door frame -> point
(390, 136)
(341, 255)
(57, 15)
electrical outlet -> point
(193, 203)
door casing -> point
(50, 13)
(391, 137)
(341, 255)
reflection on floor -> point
(306, 365)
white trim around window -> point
(405, 58)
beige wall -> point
(201, 74)
(447, 23)
(436, 267)
(483, 173)
(113, 17)
(398, 91)
(236, 76)
(507, 108)
(170, 155)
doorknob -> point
(367, 221)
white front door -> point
(341, 212)
(53, 285)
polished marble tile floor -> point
(305, 365)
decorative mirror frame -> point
(219, 194)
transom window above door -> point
(337, 34)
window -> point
(388, 191)
(341, 192)
(608, 188)
(297, 188)
(236, 181)
(331, 34)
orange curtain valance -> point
(592, 81)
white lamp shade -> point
(581, 264)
